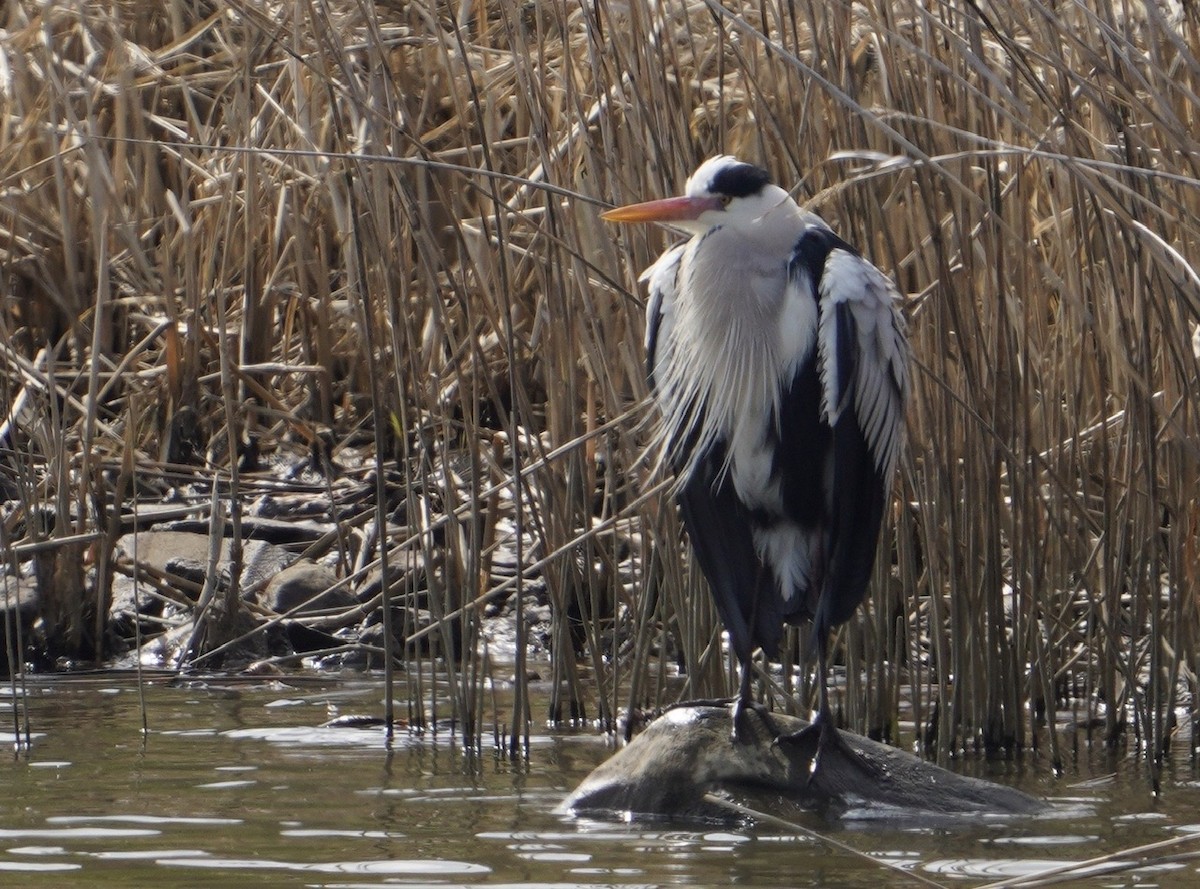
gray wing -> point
(862, 358)
(863, 354)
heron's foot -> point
(742, 708)
(820, 744)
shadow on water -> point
(237, 783)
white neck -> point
(730, 352)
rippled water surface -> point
(236, 784)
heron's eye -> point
(725, 200)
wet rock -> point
(417, 631)
(168, 650)
(186, 554)
(135, 612)
(305, 639)
(404, 575)
(157, 651)
(306, 586)
(688, 753)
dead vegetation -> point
(370, 234)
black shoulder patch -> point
(739, 180)
(814, 248)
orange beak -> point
(666, 210)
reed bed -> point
(370, 231)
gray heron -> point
(778, 360)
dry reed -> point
(305, 219)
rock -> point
(306, 586)
(304, 639)
(186, 554)
(688, 753)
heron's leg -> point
(745, 703)
(821, 740)
(824, 714)
(742, 704)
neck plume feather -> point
(718, 380)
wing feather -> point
(862, 357)
(662, 280)
(863, 353)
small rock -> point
(306, 586)
(186, 554)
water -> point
(235, 784)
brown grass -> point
(311, 220)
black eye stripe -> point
(739, 180)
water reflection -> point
(1009, 868)
(405, 868)
(73, 833)
(35, 867)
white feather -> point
(791, 552)
(745, 330)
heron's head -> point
(723, 191)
